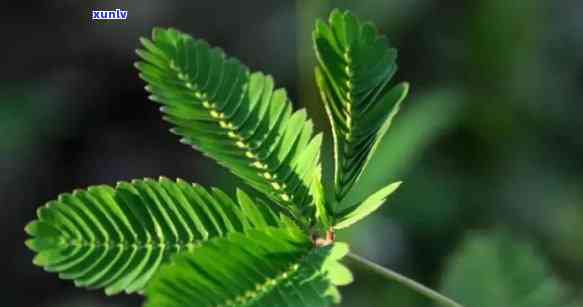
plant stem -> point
(394, 276)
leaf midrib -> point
(265, 170)
(269, 284)
(127, 246)
(347, 137)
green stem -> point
(394, 276)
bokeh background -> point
(488, 144)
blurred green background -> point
(488, 145)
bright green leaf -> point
(268, 267)
(323, 211)
(116, 238)
(358, 212)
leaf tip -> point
(31, 228)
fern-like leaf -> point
(355, 65)
(234, 116)
(267, 267)
(116, 238)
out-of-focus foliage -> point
(26, 113)
(492, 270)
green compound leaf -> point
(495, 270)
(355, 65)
(234, 116)
(267, 267)
(116, 238)
(358, 212)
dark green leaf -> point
(355, 65)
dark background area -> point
(490, 137)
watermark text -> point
(109, 15)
